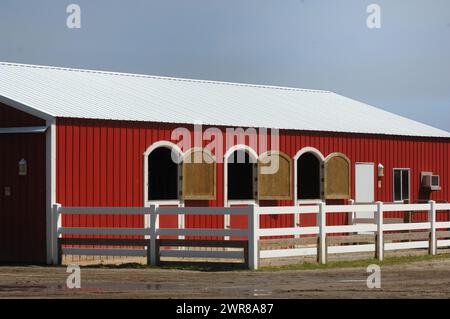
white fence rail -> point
(151, 233)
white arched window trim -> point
(165, 144)
(150, 149)
(227, 203)
(297, 202)
(147, 202)
(321, 158)
(312, 150)
(251, 152)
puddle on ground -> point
(12, 288)
(93, 287)
(124, 287)
(133, 286)
(168, 287)
(121, 287)
(261, 293)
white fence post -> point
(322, 247)
(379, 250)
(351, 215)
(181, 222)
(253, 227)
(432, 220)
(153, 227)
(296, 223)
(56, 224)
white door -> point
(365, 189)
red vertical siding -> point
(100, 163)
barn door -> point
(274, 176)
(337, 177)
(364, 187)
(198, 176)
(22, 198)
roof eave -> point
(27, 109)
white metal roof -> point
(74, 93)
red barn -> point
(94, 138)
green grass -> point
(355, 263)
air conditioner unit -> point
(431, 181)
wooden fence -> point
(319, 240)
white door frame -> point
(372, 164)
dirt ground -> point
(424, 279)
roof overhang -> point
(27, 109)
(23, 130)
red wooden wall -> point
(100, 163)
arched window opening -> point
(162, 175)
(241, 176)
(308, 177)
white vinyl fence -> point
(148, 242)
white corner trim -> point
(50, 167)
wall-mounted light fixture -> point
(380, 170)
(380, 174)
(23, 167)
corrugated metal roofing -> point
(75, 93)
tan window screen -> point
(276, 185)
(337, 177)
(199, 176)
